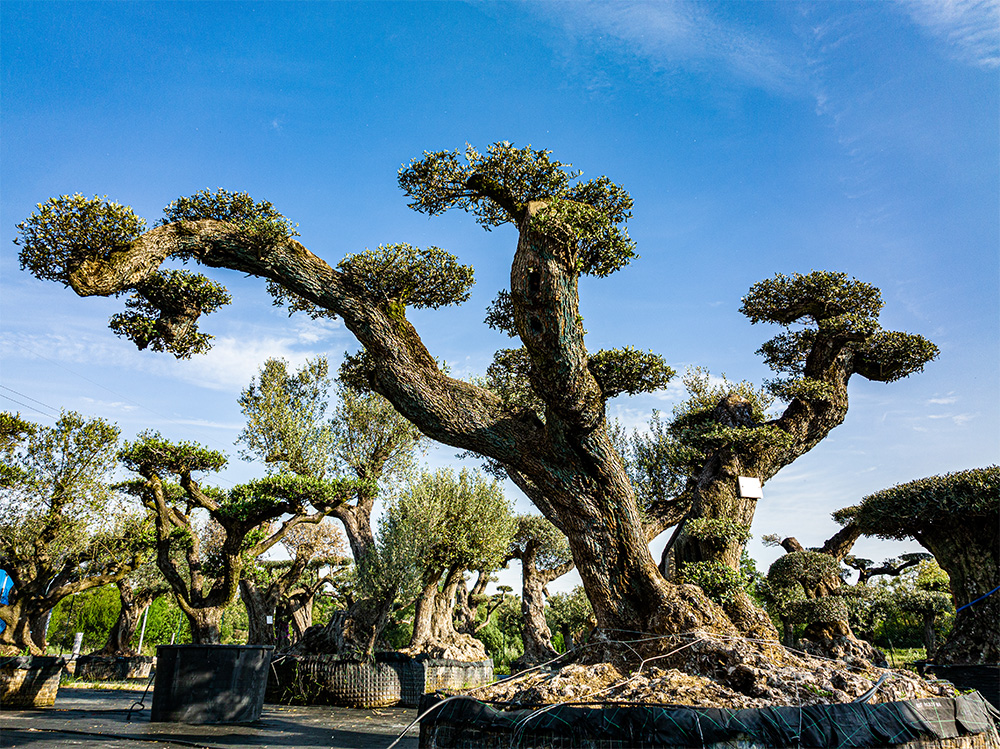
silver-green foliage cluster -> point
(964, 498)
(497, 186)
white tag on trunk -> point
(750, 488)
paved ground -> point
(96, 719)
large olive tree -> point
(957, 517)
(62, 528)
(560, 452)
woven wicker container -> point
(391, 679)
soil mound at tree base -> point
(705, 670)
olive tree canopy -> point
(957, 517)
(557, 447)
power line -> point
(33, 400)
(25, 405)
(116, 394)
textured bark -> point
(535, 632)
(970, 554)
(434, 632)
(206, 625)
(133, 604)
(263, 602)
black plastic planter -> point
(985, 678)
(464, 723)
(210, 683)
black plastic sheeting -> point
(835, 725)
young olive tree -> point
(267, 588)
(288, 428)
(559, 453)
(63, 530)
(957, 517)
(204, 565)
(457, 524)
(545, 556)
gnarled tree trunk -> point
(434, 632)
(133, 604)
(970, 554)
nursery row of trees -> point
(440, 533)
(537, 418)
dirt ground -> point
(98, 719)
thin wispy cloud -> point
(943, 401)
(969, 28)
(676, 35)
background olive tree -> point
(63, 529)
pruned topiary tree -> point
(204, 561)
(559, 452)
(957, 517)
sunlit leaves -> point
(819, 295)
(408, 276)
(497, 186)
(889, 355)
(839, 316)
(286, 417)
(260, 225)
(150, 452)
(163, 311)
(962, 498)
(629, 370)
(67, 231)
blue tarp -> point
(6, 584)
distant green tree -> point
(571, 615)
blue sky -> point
(755, 138)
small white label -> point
(750, 488)
(270, 620)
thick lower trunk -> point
(297, 611)
(353, 633)
(434, 632)
(133, 604)
(535, 632)
(259, 608)
(629, 596)
(16, 636)
(38, 623)
(206, 625)
(970, 554)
